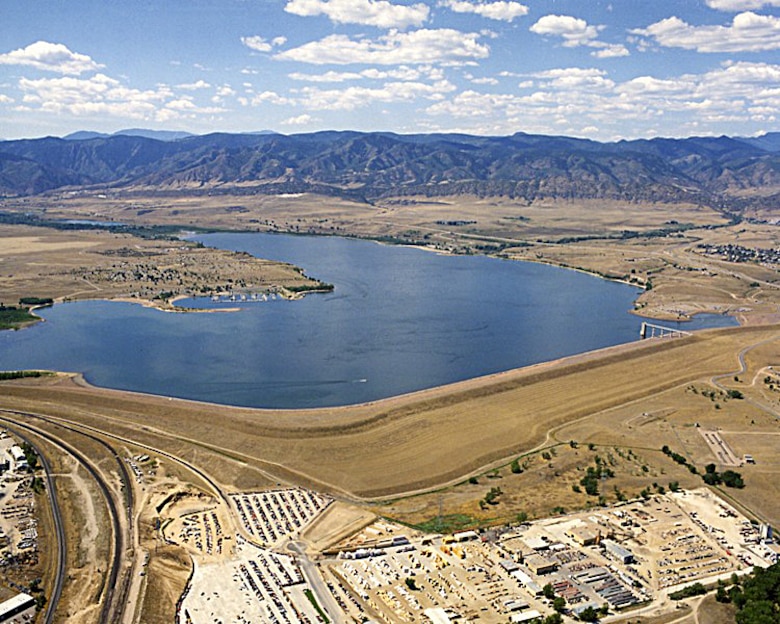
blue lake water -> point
(400, 319)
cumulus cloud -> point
(503, 10)
(576, 32)
(353, 98)
(103, 95)
(422, 46)
(587, 101)
(609, 50)
(54, 57)
(267, 97)
(399, 73)
(748, 32)
(194, 86)
(740, 5)
(300, 120)
(379, 13)
(260, 44)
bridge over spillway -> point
(649, 330)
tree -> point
(732, 479)
(559, 603)
(548, 591)
(589, 614)
(515, 467)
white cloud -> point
(353, 98)
(260, 44)
(103, 95)
(576, 32)
(485, 81)
(609, 50)
(588, 102)
(502, 10)
(194, 86)
(417, 47)
(54, 57)
(225, 91)
(740, 5)
(300, 120)
(748, 32)
(573, 30)
(4, 99)
(380, 13)
(267, 97)
(400, 73)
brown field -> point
(428, 440)
(89, 264)
(684, 280)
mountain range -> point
(723, 172)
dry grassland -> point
(430, 439)
(684, 280)
(91, 264)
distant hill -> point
(715, 171)
(160, 135)
(769, 141)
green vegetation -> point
(163, 232)
(318, 287)
(593, 475)
(316, 605)
(31, 456)
(491, 498)
(448, 523)
(35, 301)
(729, 478)
(758, 600)
(12, 317)
(697, 589)
(589, 615)
(21, 374)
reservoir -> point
(400, 319)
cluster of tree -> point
(757, 598)
(21, 374)
(593, 475)
(491, 498)
(11, 316)
(697, 589)
(318, 287)
(31, 456)
(35, 301)
(729, 478)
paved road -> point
(313, 577)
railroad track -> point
(115, 595)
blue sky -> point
(604, 70)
